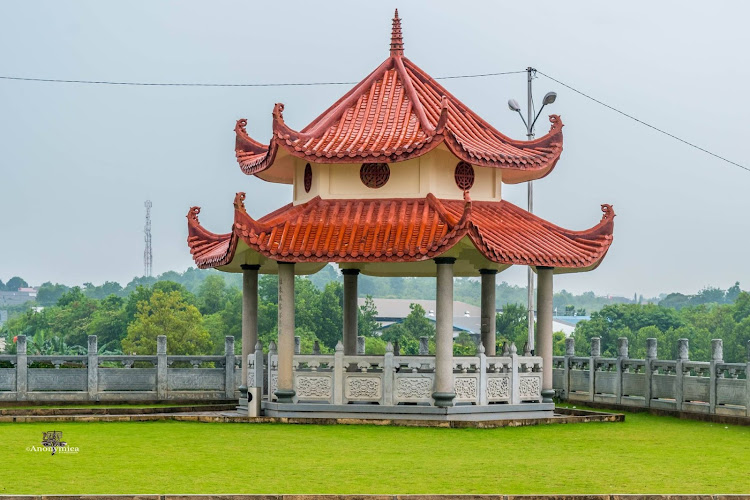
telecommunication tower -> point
(147, 254)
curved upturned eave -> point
(212, 250)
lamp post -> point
(529, 122)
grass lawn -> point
(645, 454)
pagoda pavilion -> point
(398, 178)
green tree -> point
(408, 332)
(48, 294)
(109, 324)
(212, 295)
(512, 325)
(15, 283)
(167, 313)
(367, 325)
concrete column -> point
(651, 354)
(92, 365)
(350, 311)
(622, 355)
(249, 319)
(679, 372)
(229, 383)
(717, 356)
(424, 346)
(570, 351)
(285, 389)
(544, 329)
(22, 368)
(162, 387)
(488, 311)
(444, 393)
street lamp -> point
(529, 122)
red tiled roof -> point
(401, 230)
(396, 113)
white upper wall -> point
(415, 178)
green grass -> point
(645, 454)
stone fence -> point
(391, 379)
(711, 387)
(95, 377)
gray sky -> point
(78, 161)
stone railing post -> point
(162, 387)
(389, 373)
(683, 356)
(570, 351)
(651, 353)
(229, 382)
(360, 345)
(424, 346)
(338, 374)
(22, 369)
(717, 356)
(622, 355)
(482, 374)
(92, 366)
(297, 345)
(596, 352)
(271, 354)
(515, 381)
(257, 367)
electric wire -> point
(645, 123)
(195, 84)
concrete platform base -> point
(467, 413)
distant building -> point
(23, 295)
(392, 311)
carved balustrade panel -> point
(498, 387)
(731, 389)
(361, 387)
(318, 387)
(413, 387)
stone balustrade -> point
(94, 377)
(392, 379)
(711, 387)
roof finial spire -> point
(397, 41)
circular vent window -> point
(374, 175)
(308, 178)
(464, 175)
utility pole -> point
(530, 73)
(148, 256)
(529, 122)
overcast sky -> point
(78, 161)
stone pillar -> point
(570, 351)
(338, 374)
(229, 383)
(297, 345)
(717, 356)
(488, 311)
(350, 311)
(679, 372)
(622, 355)
(651, 354)
(544, 329)
(285, 389)
(361, 346)
(161, 367)
(389, 372)
(596, 352)
(22, 369)
(258, 379)
(424, 346)
(444, 393)
(249, 320)
(92, 365)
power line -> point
(192, 84)
(645, 123)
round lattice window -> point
(374, 175)
(464, 176)
(308, 178)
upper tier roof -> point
(396, 113)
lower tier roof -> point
(409, 230)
